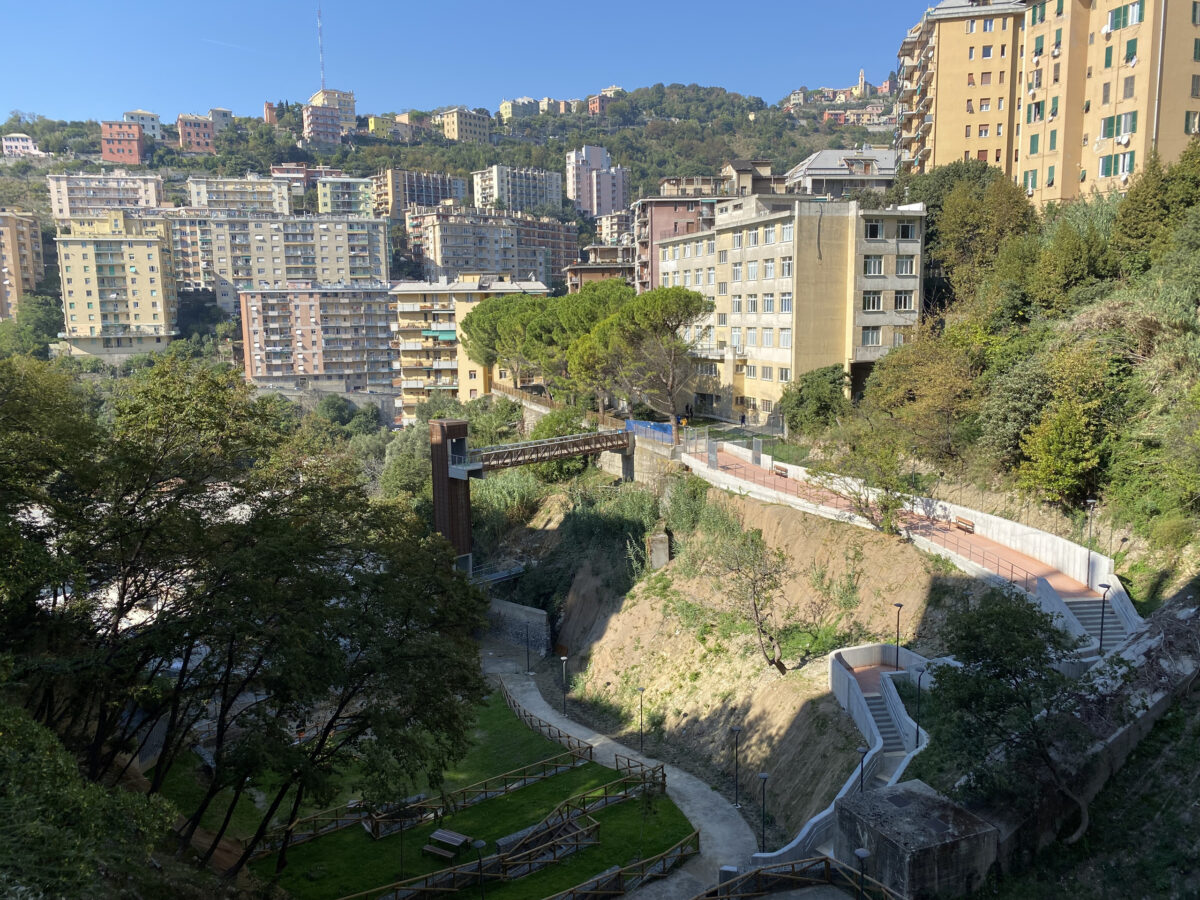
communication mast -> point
(321, 46)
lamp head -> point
(862, 750)
(563, 658)
(898, 605)
(862, 853)
(763, 775)
(479, 843)
(736, 729)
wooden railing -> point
(541, 725)
(614, 884)
(795, 875)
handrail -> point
(811, 871)
(477, 454)
(656, 866)
(551, 731)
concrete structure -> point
(598, 105)
(21, 261)
(662, 218)
(797, 285)
(426, 336)
(86, 195)
(839, 172)
(517, 188)
(122, 142)
(344, 196)
(250, 194)
(270, 116)
(343, 102)
(604, 261)
(150, 122)
(461, 124)
(221, 118)
(449, 240)
(393, 191)
(743, 177)
(614, 226)
(333, 337)
(596, 186)
(302, 176)
(322, 125)
(196, 134)
(692, 186)
(18, 144)
(609, 190)
(118, 284)
(521, 108)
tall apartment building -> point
(428, 341)
(319, 335)
(87, 194)
(21, 262)
(450, 240)
(225, 251)
(461, 124)
(196, 133)
(343, 102)
(122, 142)
(517, 188)
(250, 194)
(594, 184)
(393, 191)
(609, 190)
(344, 197)
(322, 124)
(661, 218)
(612, 227)
(150, 122)
(302, 176)
(797, 285)
(118, 284)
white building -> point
(150, 122)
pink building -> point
(270, 117)
(660, 218)
(195, 134)
(322, 124)
(598, 105)
(122, 142)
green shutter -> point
(1131, 162)
(1141, 10)
(1130, 49)
(1133, 123)
(1050, 175)
(1054, 140)
(1059, 8)
(1196, 49)
(1058, 37)
(1033, 144)
(1108, 57)
(1107, 126)
(1038, 43)
(1105, 166)
(1054, 106)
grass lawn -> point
(348, 861)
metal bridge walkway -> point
(505, 456)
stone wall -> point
(515, 623)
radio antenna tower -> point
(321, 46)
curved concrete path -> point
(725, 837)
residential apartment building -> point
(797, 284)
(517, 188)
(90, 194)
(393, 191)
(150, 122)
(611, 228)
(18, 144)
(595, 185)
(427, 339)
(302, 176)
(449, 240)
(118, 284)
(343, 102)
(221, 118)
(21, 261)
(603, 261)
(322, 125)
(661, 218)
(250, 194)
(122, 142)
(344, 197)
(609, 190)
(461, 124)
(521, 108)
(838, 172)
(196, 134)
(598, 105)
(334, 337)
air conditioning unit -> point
(1106, 30)
(1123, 140)
(1056, 53)
(1124, 177)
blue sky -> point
(96, 59)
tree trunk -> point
(281, 858)
(263, 824)
(216, 841)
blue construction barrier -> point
(654, 431)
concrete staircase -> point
(883, 721)
(1088, 612)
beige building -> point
(343, 102)
(334, 337)
(612, 227)
(521, 108)
(509, 187)
(118, 284)
(797, 285)
(344, 196)
(87, 195)
(393, 191)
(461, 124)
(253, 193)
(426, 337)
(21, 260)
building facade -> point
(18, 144)
(327, 336)
(221, 118)
(660, 218)
(609, 190)
(517, 188)
(343, 102)
(393, 191)
(22, 264)
(122, 142)
(322, 125)
(613, 227)
(302, 176)
(250, 194)
(150, 122)
(521, 108)
(796, 285)
(118, 284)
(344, 197)
(196, 134)
(839, 172)
(461, 124)
(87, 195)
(580, 165)
(603, 262)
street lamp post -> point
(862, 762)
(899, 606)
(762, 776)
(737, 730)
(862, 853)
(564, 685)
(479, 844)
(641, 730)
(527, 647)
(920, 675)
(1103, 610)
(1087, 578)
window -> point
(753, 237)
(735, 304)
(768, 373)
(1037, 14)
(986, 51)
(1196, 85)
(970, 26)
(736, 275)
(768, 338)
(711, 246)
(903, 301)
(1118, 164)
(1191, 123)
(769, 234)
(751, 337)
(687, 278)
(752, 269)
(706, 368)
(737, 240)
(675, 252)
(989, 24)
(1195, 13)
(752, 303)
(712, 275)
(905, 265)
(872, 265)
(1054, 139)
(1056, 77)
(666, 279)
(735, 337)
(1049, 176)
(1033, 144)
(872, 301)
(871, 336)
(687, 251)
(751, 369)
(722, 319)
(768, 303)
(785, 374)
(970, 53)
(983, 132)
(785, 267)
(874, 229)
(985, 105)
(1196, 49)
(906, 230)
(723, 256)
(785, 302)
(768, 268)
(1130, 49)
(1108, 55)
(1105, 93)
(785, 338)
(722, 288)
(787, 231)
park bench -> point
(964, 524)
(446, 843)
(779, 470)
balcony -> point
(869, 354)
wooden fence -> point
(796, 875)
(541, 725)
(623, 880)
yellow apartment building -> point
(344, 196)
(118, 284)
(463, 125)
(343, 102)
(253, 193)
(797, 285)
(21, 262)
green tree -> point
(1142, 217)
(560, 423)
(815, 400)
(974, 223)
(1062, 455)
(336, 409)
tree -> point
(336, 409)
(974, 223)
(1062, 454)
(560, 423)
(815, 400)
(1013, 725)
(1141, 217)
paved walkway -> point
(725, 837)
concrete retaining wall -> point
(515, 623)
